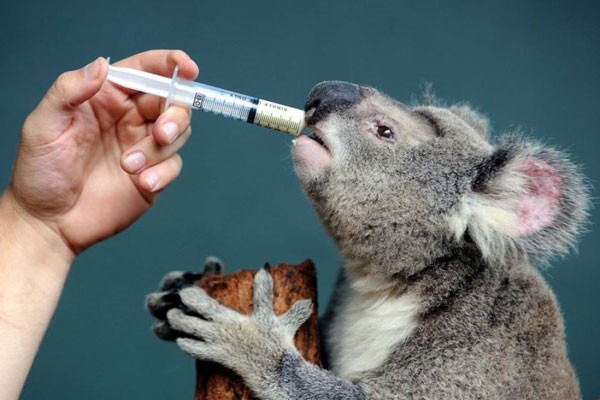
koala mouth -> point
(312, 155)
(315, 134)
(312, 135)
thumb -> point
(70, 90)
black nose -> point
(331, 96)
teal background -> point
(528, 64)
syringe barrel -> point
(236, 105)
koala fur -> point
(438, 228)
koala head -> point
(398, 187)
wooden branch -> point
(290, 283)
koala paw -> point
(159, 303)
(247, 344)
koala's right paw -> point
(159, 303)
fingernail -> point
(134, 162)
(91, 71)
(151, 180)
(170, 129)
(195, 64)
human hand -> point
(94, 156)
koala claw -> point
(165, 332)
(213, 266)
(176, 280)
(159, 303)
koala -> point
(439, 229)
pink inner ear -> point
(539, 206)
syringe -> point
(208, 98)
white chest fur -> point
(367, 328)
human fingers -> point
(157, 177)
(162, 62)
(148, 105)
(55, 111)
(171, 124)
(147, 153)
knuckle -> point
(175, 57)
(29, 125)
(178, 54)
(178, 160)
(59, 87)
(187, 132)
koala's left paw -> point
(244, 343)
(167, 298)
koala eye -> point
(385, 133)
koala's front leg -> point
(259, 347)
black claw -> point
(160, 308)
(172, 297)
(164, 331)
(172, 284)
(186, 279)
(213, 266)
(189, 278)
(168, 284)
(181, 281)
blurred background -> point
(533, 65)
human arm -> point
(72, 187)
(34, 263)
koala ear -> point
(476, 120)
(458, 120)
(524, 196)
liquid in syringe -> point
(211, 99)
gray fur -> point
(441, 224)
(302, 380)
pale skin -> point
(93, 158)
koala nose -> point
(331, 96)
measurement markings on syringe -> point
(276, 116)
(251, 109)
(212, 99)
(228, 104)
